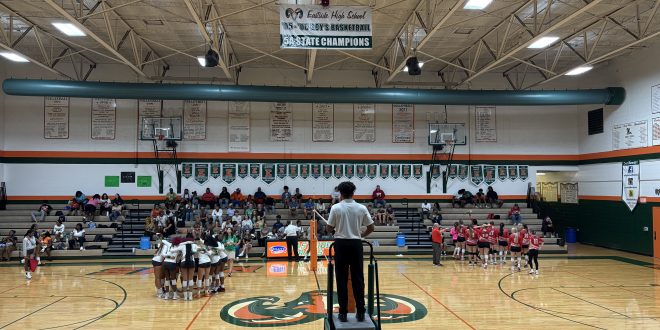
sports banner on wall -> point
(187, 170)
(268, 173)
(568, 193)
(453, 171)
(327, 171)
(418, 171)
(349, 170)
(395, 171)
(293, 171)
(384, 171)
(104, 119)
(462, 172)
(489, 174)
(254, 171)
(304, 171)
(281, 171)
(316, 171)
(523, 172)
(372, 171)
(238, 126)
(201, 173)
(243, 171)
(512, 171)
(228, 173)
(194, 120)
(323, 122)
(502, 172)
(435, 171)
(281, 122)
(338, 171)
(476, 174)
(630, 193)
(215, 170)
(485, 124)
(364, 122)
(56, 117)
(360, 171)
(403, 123)
(630, 135)
(319, 27)
(406, 171)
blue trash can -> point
(400, 240)
(145, 243)
(571, 235)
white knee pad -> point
(217, 276)
(199, 283)
(184, 284)
(191, 283)
(222, 274)
(173, 282)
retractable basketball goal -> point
(443, 138)
(165, 134)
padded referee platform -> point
(353, 323)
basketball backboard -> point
(161, 128)
(440, 134)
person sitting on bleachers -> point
(58, 229)
(320, 207)
(269, 204)
(72, 207)
(278, 223)
(118, 200)
(247, 225)
(230, 212)
(226, 225)
(334, 196)
(493, 198)
(77, 236)
(194, 200)
(456, 201)
(298, 196)
(46, 245)
(115, 212)
(249, 210)
(91, 207)
(436, 217)
(237, 198)
(80, 198)
(42, 212)
(380, 216)
(155, 212)
(105, 205)
(216, 214)
(274, 235)
(426, 210)
(259, 213)
(547, 227)
(224, 197)
(293, 206)
(186, 196)
(8, 246)
(203, 217)
(286, 197)
(160, 220)
(514, 214)
(236, 219)
(390, 215)
(480, 199)
(208, 199)
(170, 199)
(308, 209)
(259, 197)
(378, 197)
(467, 198)
(170, 228)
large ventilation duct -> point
(29, 87)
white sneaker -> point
(28, 276)
(82, 248)
(536, 272)
(175, 296)
(531, 271)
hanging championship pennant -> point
(316, 171)
(360, 171)
(406, 171)
(372, 171)
(523, 172)
(187, 170)
(201, 173)
(395, 171)
(268, 173)
(228, 173)
(462, 172)
(254, 171)
(327, 171)
(243, 171)
(453, 171)
(489, 174)
(349, 170)
(338, 170)
(215, 170)
(630, 184)
(435, 171)
(293, 171)
(476, 174)
(418, 171)
(384, 171)
(304, 171)
(501, 172)
(513, 172)
(281, 171)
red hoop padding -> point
(161, 137)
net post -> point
(313, 253)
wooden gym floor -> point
(590, 288)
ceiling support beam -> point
(311, 61)
(212, 41)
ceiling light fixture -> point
(413, 66)
(201, 60)
(579, 70)
(14, 57)
(69, 29)
(477, 4)
(543, 42)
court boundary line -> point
(33, 312)
(198, 313)
(607, 284)
(590, 302)
(439, 302)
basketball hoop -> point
(161, 137)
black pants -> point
(292, 245)
(533, 255)
(80, 240)
(348, 257)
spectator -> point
(249, 211)
(237, 198)
(456, 201)
(46, 245)
(298, 196)
(260, 212)
(42, 212)
(216, 215)
(380, 217)
(436, 207)
(320, 207)
(236, 219)
(426, 210)
(208, 199)
(245, 245)
(224, 197)
(278, 223)
(230, 212)
(160, 220)
(155, 212)
(203, 216)
(269, 204)
(467, 198)
(194, 200)
(80, 198)
(436, 217)
(309, 209)
(58, 229)
(170, 228)
(261, 231)
(170, 199)
(249, 200)
(119, 200)
(115, 212)
(493, 198)
(8, 246)
(186, 211)
(286, 197)
(514, 214)
(334, 196)
(437, 238)
(547, 227)
(186, 196)
(226, 225)
(77, 236)
(259, 197)
(247, 225)
(273, 235)
(72, 207)
(480, 199)
(105, 205)
(293, 206)
(378, 196)
(390, 215)
(91, 206)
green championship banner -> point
(349, 170)
(501, 172)
(406, 171)
(281, 171)
(243, 171)
(523, 172)
(327, 171)
(513, 172)
(187, 170)
(304, 171)
(293, 171)
(453, 171)
(384, 171)
(228, 173)
(316, 171)
(372, 171)
(338, 170)
(395, 171)
(360, 171)
(435, 171)
(489, 174)
(476, 174)
(462, 172)
(268, 173)
(201, 173)
(254, 171)
(215, 170)
(418, 171)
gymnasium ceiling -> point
(152, 36)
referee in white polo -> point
(346, 218)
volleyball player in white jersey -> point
(157, 263)
(187, 252)
(204, 270)
(219, 258)
(170, 269)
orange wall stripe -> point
(621, 153)
(600, 198)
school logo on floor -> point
(268, 311)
